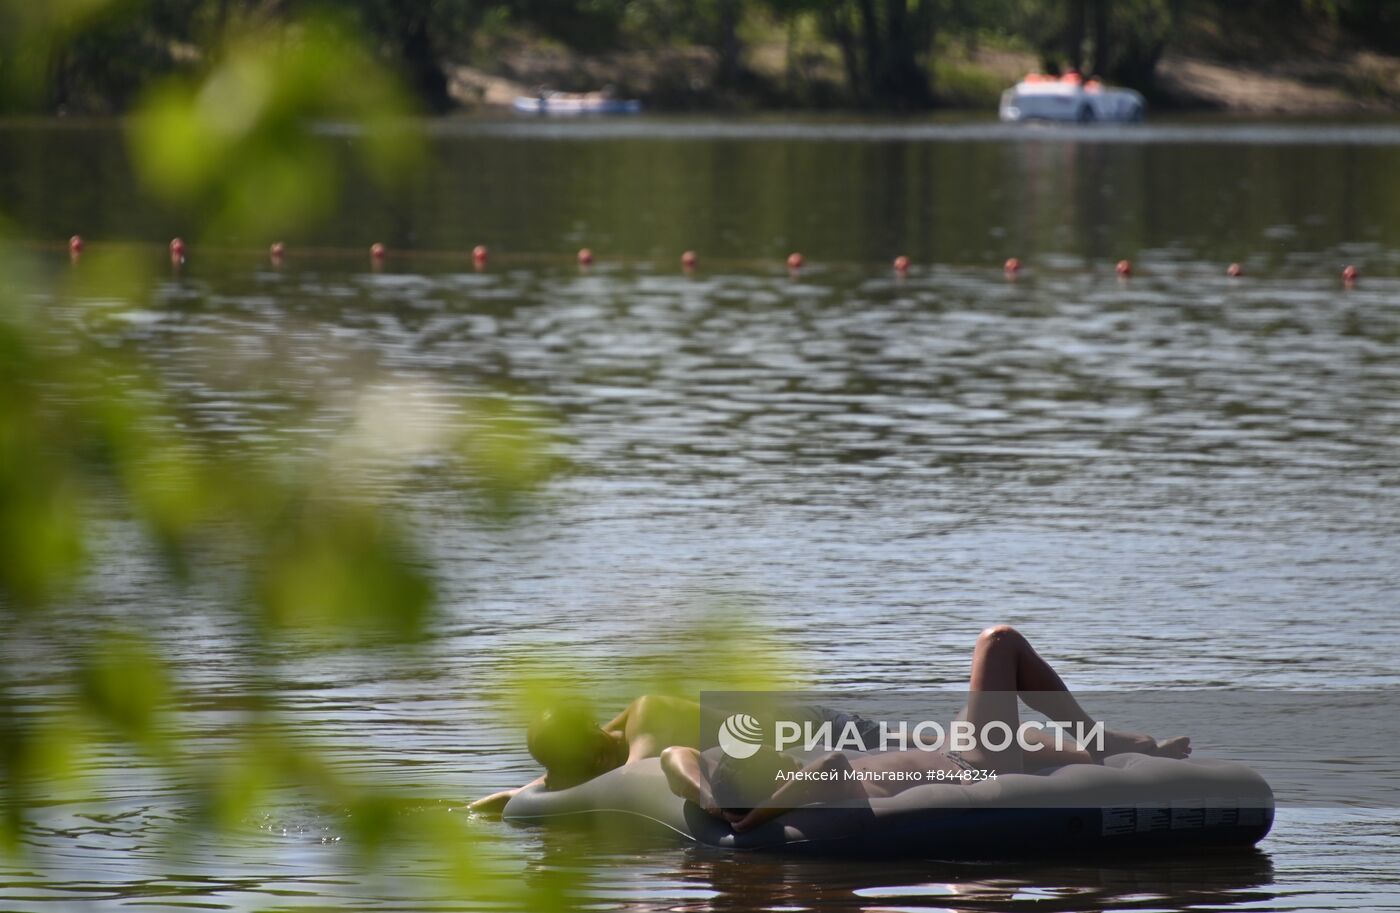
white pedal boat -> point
(576, 103)
(1070, 100)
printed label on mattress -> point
(1188, 813)
(1222, 816)
(1121, 820)
(1150, 818)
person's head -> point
(740, 784)
(571, 746)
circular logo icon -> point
(740, 736)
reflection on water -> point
(946, 130)
(745, 884)
(1178, 480)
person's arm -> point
(495, 803)
(653, 723)
(686, 777)
(643, 717)
(824, 780)
(619, 722)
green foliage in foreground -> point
(284, 554)
(298, 552)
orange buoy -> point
(177, 249)
(1125, 268)
(795, 261)
(1350, 274)
(480, 255)
(75, 245)
(377, 251)
(1012, 268)
(689, 260)
(901, 264)
(1234, 271)
(585, 257)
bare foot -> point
(1179, 747)
(1129, 742)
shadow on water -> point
(1137, 884)
(704, 880)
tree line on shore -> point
(102, 53)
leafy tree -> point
(885, 46)
(1377, 19)
(1121, 40)
(416, 38)
(1131, 37)
(100, 54)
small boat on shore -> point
(1070, 99)
(576, 103)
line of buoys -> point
(690, 260)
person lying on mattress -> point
(573, 748)
(1004, 666)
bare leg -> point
(997, 663)
(1052, 753)
(1005, 666)
(687, 777)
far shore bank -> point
(681, 80)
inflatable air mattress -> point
(1132, 802)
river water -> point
(1177, 480)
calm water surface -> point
(1181, 480)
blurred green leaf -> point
(245, 144)
(339, 570)
(123, 684)
(41, 527)
(238, 786)
(91, 440)
(508, 449)
(30, 36)
(724, 648)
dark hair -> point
(565, 739)
(740, 784)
